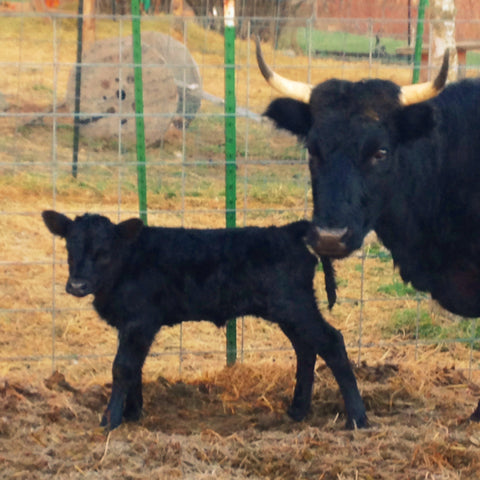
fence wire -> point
(41, 327)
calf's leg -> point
(306, 357)
(331, 347)
(134, 400)
(126, 399)
(309, 332)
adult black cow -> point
(403, 161)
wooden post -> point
(88, 23)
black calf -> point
(145, 277)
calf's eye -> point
(102, 257)
(379, 156)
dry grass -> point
(201, 419)
(231, 425)
(210, 421)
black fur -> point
(291, 115)
(410, 173)
(143, 278)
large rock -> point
(107, 98)
(185, 71)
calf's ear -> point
(130, 229)
(56, 222)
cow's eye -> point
(379, 156)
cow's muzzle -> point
(329, 242)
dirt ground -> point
(232, 425)
(201, 419)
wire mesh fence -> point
(41, 326)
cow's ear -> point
(130, 229)
(414, 121)
(56, 222)
(292, 115)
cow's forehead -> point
(373, 98)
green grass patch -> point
(411, 323)
(473, 59)
(397, 289)
(376, 250)
(343, 42)
(405, 323)
(469, 329)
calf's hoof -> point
(475, 416)
(132, 415)
(360, 422)
(297, 414)
(110, 421)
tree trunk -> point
(443, 35)
(88, 23)
(266, 15)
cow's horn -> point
(423, 91)
(290, 88)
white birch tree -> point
(442, 14)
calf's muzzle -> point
(329, 242)
(78, 287)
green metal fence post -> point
(230, 149)
(417, 57)
(139, 120)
